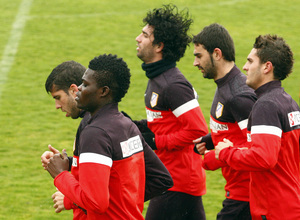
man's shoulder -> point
(174, 77)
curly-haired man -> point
(174, 118)
(114, 159)
(273, 158)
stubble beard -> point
(210, 72)
(140, 56)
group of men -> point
(254, 138)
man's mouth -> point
(77, 96)
(200, 68)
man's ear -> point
(104, 91)
(217, 53)
(160, 47)
(268, 67)
(73, 89)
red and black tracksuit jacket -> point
(273, 156)
(114, 172)
(175, 117)
(229, 114)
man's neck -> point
(154, 69)
(154, 60)
(223, 68)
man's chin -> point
(75, 116)
(140, 57)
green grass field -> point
(35, 36)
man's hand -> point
(221, 145)
(200, 146)
(58, 200)
(45, 158)
(203, 144)
(58, 163)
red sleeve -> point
(68, 204)
(194, 126)
(265, 141)
(91, 192)
(262, 155)
(211, 163)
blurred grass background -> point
(56, 31)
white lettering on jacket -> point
(131, 146)
(294, 118)
(152, 115)
(74, 162)
(215, 127)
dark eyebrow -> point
(144, 32)
(196, 54)
(84, 80)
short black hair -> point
(170, 28)
(64, 75)
(277, 51)
(216, 36)
(113, 72)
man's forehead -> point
(148, 29)
(88, 73)
(253, 53)
(90, 76)
(55, 91)
(198, 48)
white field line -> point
(11, 47)
(110, 13)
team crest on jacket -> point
(219, 110)
(153, 100)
